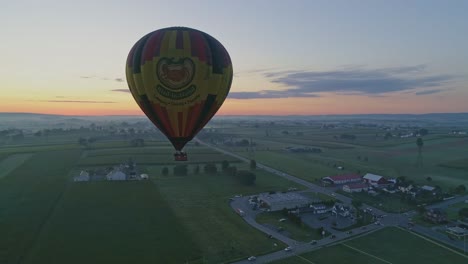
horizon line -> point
(227, 115)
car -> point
(313, 242)
(333, 237)
(251, 258)
(287, 249)
(349, 232)
(333, 194)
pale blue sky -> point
(47, 45)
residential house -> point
(342, 210)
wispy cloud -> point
(121, 90)
(359, 80)
(101, 78)
(428, 92)
(270, 94)
(79, 101)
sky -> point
(289, 57)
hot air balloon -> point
(179, 77)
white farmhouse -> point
(83, 177)
(116, 175)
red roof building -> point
(342, 179)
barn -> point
(342, 179)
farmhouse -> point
(116, 175)
(342, 179)
(355, 187)
(83, 177)
(375, 180)
(278, 201)
(342, 210)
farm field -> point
(28, 195)
(443, 155)
(93, 219)
(11, 162)
(201, 203)
(389, 245)
(87, 221)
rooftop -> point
(372, 177)
(344, 177)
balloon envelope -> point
(179, 77)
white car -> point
(252, 258)
(288, 249)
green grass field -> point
(28, 195)
(173, 219)
(201, 203)
(390, 245)
(113, 222)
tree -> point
(210, 168)
(246, 177)
(463, 213)
(232, 171)
(423, 131)
(197, 169)
(180, 170)
(420, 144)
(429, 179)
(165, 171)
(460, 189)
(253, 164)
(224, 165)
(388, 135)
(83, 141)
(356, 203)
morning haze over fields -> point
(343, 138)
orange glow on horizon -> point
(325, 105)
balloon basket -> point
(180, 156)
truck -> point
(240, 212)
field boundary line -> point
(306, 260)
(436, 243)
(368, 254)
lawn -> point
(28, 195)
(12, 162)
(452, 210)
(201, 204)
(297, 232)
(389, 245)
(113, 222)
(387, 202)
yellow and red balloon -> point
(179, 77)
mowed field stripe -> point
(435, 243)
(306, 260)
(370, 255)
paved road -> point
(447, 203)
(300, 247)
